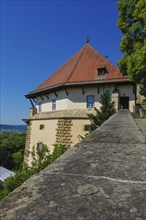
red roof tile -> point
(80, 69)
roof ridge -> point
(75, 65)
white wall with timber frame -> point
(76, 98)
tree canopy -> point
(12, 147)
(132, 23)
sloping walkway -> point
(102, 178)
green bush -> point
(106, 110)
(41, 159)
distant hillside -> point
(15, 128)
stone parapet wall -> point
(103, 177)
(141, 123)
(70, 113)
(27, 142)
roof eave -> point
(35, 93)
(44, 91)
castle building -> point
(61, 103)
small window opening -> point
(42, 127)
(86, 127)
(39, 146)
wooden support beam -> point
(32, 103)
(66, 91)
(134, 89)
(56, 94)
(115, 88)
(47, 96)
(83, 91)
(34, 100)
(41, 98)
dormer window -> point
(102, 70)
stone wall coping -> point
(70, 113)
(103, 177)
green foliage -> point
(12, 141)
(59, 149)
(18, 159)
(132, 23)
(41, 159)
(39, 155)
(106, 110)
(12, 147)
(13, 182)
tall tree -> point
(106, 110)
(132, 23)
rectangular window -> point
(53, 104)
(39, 146)
(87, 127)
(107, 90)
(90, 101)
(40, 107)
(41, 127)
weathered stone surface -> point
(72, 113)
(103, 177)
(141, 123)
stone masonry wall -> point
(27, 142)
(63, 132)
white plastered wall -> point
(61, 101)
(77, 130)
(74, 100)
(45, 136)
(77, 100)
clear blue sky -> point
(38, 36)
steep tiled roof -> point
(81, 69)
